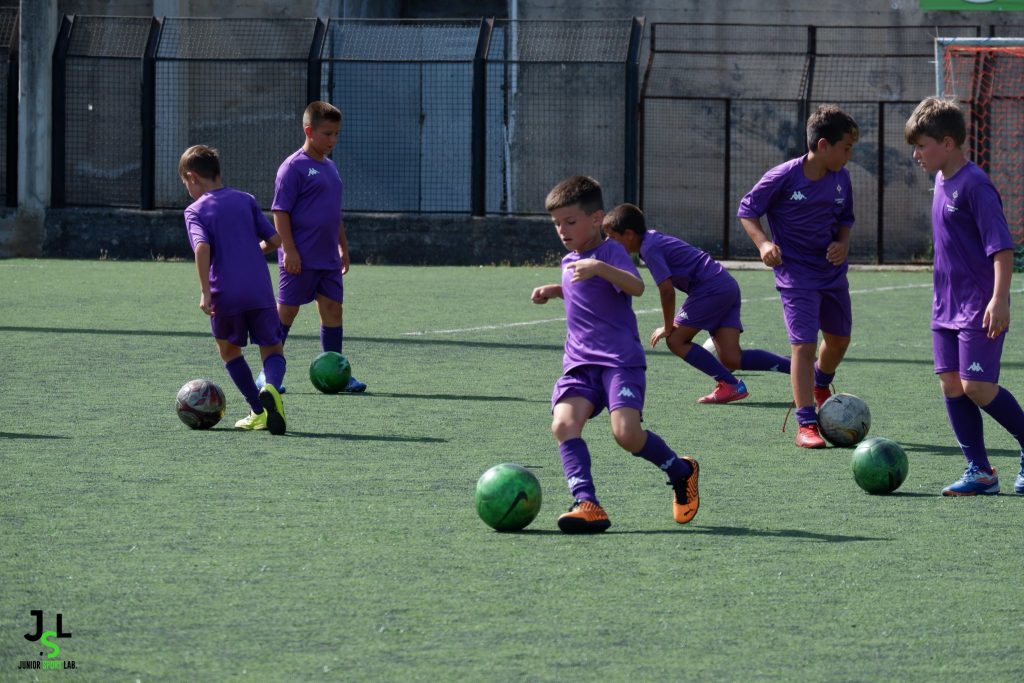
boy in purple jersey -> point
(971, 305)
(712, 304)
(809, 205)
(307, 214)
(230, 237)
(604, 364)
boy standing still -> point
(809, 205)
(225, 228)
(971, 304)
(712, 304)
(603, 364)
(307, 215)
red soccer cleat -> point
(807, 436)
(821, 394)
(726, 393)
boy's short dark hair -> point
(318, 112)
(625, 217)
(579, 189)
(937, 118)
(830, 123)
(202, 160)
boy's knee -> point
(630, 438)
(805, 351)
(563, 430)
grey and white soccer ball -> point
(844, 420)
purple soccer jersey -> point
(310, 191)
(231, 222)
(804, 217)
(599, 317)
(689, 267)
(968, 227)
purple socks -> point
(330, 338)
(1005, 410)
(576, 464)
(756, 359)
(700, 358)
(273, 369)
(822, 379)
(656, 451)
(241, 375)
(965, 418)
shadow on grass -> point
(457, 397)
(763, 404)
(366, 437)
(413, 341)
(930, 449)
(16, 435)
(715, 531)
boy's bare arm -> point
(203, 269)
(839, 248)
(270, 244)
(997, 313)
(343, 248)
(541, 295)
(283, 225)
(584, 269)
(667, 292)
(770, 253)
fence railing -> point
(720, 109)
(440, 116)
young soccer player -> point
(230, 237)
(971, 304)
(603, 364)
(307, 214)
(809, 205)
(712, 304)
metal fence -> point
(440, 116)
(9, 105)
(719, 109)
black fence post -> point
(805, 96)
(632, 121)
(478, 137)
(13, 86)
(727, 215)
(880, 230)
(315, 63)
(58, 153)
(148, 114)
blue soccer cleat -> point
(354, 386)
(974, 482)
(261, 381)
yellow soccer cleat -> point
(253, 421)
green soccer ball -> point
(879, 465)
(508, 497)
(329, 372)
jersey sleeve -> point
(195, 228)
(286, 189)
(987, 207)
(264, 228)
(657, 266)
(760, 198)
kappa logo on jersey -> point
(624, 391)
(312, 171)
(684, 315)
(975, 367)
(797, 196)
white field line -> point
(504, 326)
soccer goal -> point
(986, 75)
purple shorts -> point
(262, 325)
(711, 310)
(808, 310)
(296, 290)
(970, 352)
(604, 386)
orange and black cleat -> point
(584, 517)
(807, 436)
(687, 497)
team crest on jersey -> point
(949, 207)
